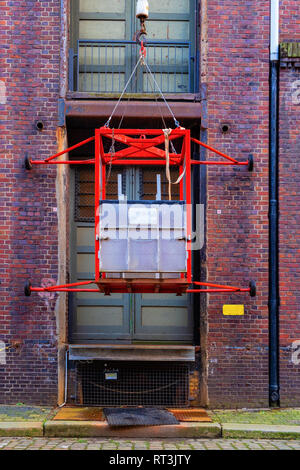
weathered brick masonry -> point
(237, 80)
(237, 201)
(289, 223)
(30, 41)
(238, 40)
(289, 202)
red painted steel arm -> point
(208, 291)
(63, 162)
(197, 162)
(232, 161)
(214, 150)
(83, 142)
(72, 287)
(76, 287)
(214, 288)
(49, 160)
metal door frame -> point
(131, 303)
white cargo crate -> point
(142, 237)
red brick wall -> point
(29, 64)
(289, 219)
(237, 238)
(289, 235)
(289, 20)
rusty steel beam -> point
(136, 109)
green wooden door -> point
(120, 317)
(158, 317)
(94, 316)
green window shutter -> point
(106, 61)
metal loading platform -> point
(146, 264)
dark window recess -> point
(132, 384)
(148, 183)
(84, 194)
(85, 191)
(85, 187)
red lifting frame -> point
(142, 148)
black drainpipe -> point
(274, 397)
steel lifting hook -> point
(142, 12)
(138, 37)
(142, 49)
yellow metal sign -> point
(233, 309)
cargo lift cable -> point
(112, 149)
(142, 60)
(166, 131)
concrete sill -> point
(131, 352)
(77, 95)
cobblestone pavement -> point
(39, 443)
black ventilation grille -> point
(132, 384)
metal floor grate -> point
(138, 417)
(132, 384)
(76, 413)
(191, 415)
